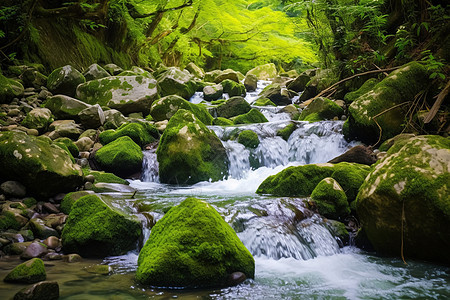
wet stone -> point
(45, 290)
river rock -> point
(64, 128)
(212, 92)
(95, 228)
(45, 290)
(253, 116)
(39, 119)
(9, 89)
(166, 107)
(65, 80)
(113, 69)
(227, 74)
(41, 230)
(321, 109)
(359, 154)
(84, 144)
(411, 184)
(276, 94)
(195, 70)
(400, 86)
(65, 107)
(264, 72)
(52, 242)
(28, 272)
(263, 102)
(94, 71)
(299, 83)
(71, 146)
(233, 88)
(192, 246)
(114, 119)
(330, 199)
(250, 82)
(127, 94)
(92, 117)
(141, 133)
(34, 78)
(71, 198)
(13, 189)
(45, 169)
(189, 152)
(248, 138)
(122, 157)
(365, 88)
(176, 82)
(35, 249)
(233, 107)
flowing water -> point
(296, 252)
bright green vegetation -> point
(366, 87)
(321, 109)
(413, 181)
(189, 152)
(192, 246)
(28, 272)
(141, 133)
(253, 116)
(248, 138)
(330, 199)
(73, 149)
(101, 176)
(233, 88)
(96, 228)
(122, 157)
(69, 199)
(286, 132)
(264, 102)
(222, 121)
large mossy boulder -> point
(367, 86)
(330, 199)
(65, 107)
(141, 133)
(65, 80)
(122, 157)
(31, 271)
(321, 109)
(233, 107)
(253, 116)
(39, 119)
(189, 152)
(264, 72)
(173, 81)
(400, 86)
(166, 107)
(192, 246)
(407, 198)
(9, 89)
(233, 88)
(44, 168)
(96, 228)
(127, 94)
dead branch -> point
(437, 104)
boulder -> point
(39, 119)
(13, 189)
(70, 145)
(233, 88)
(359, 154)
(48, 290)
(330, 199)
(219, 121)
(406, 198)
(141, 133)
(166, 107)
(35, 249)
(45, 169)
(227, 74)
(212, 92)
(276, 94)
(84, 144)
(122, 157)
(233, 107)
(195, 70)
(65, 80)
(250, 82)
(65, 107)
(248, 138)
(127, 94)
(253, 116)
(28, 272)
(189, 152)
(292, 111)
(176, 82)
(69, 199)
(299, 83)
(192, 246)
(94, 71)
(113, 69)
(365, 88)
(40, 229)
(321, 109)
(9, 89)
(64, 128)
(286, 132)
(96, 228)
(135, 71)
(113, 119)
(264, 72)
(92, 117)
(400, 86)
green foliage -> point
(433, 65)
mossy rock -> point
(189, 152)
(166, 107)
(8, 221)
(248, 138)
(65, 80)
(101, 176)
(212, 92)
(227, 74)
(233, 88)
(31, 271)
(399, 141)
(192, 246)
(276, 94)
(330, 199)
(195, 70)
(73, 149)
(233, 107)
(69, 199)
(141, 133)
(122, 157)
(95, 228)
(65, 107)
(127, 94)
(410, 183)
(95, 71)
(44, 168)
(365, 88)
(286, 132)
(321, 109)
(400, 86)
(253, 116)
(173, 81)
(136, 71)
(39, 119)
(264, 102)
(9, 89)
(264, 72)
(350, 176)
(222, 122)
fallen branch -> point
(437, 104)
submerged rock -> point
(28, 272)
(406, 197)
(189, 152)
(95, 228)
(192, 246)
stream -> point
(296, 253)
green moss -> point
(330, 199)
(321, 109)
(38, 118)
(95, 228)
(29, 201)
(73, 149)
(366, 87)
(192, 246)
(28, 272)
(222, 122)
(233, 107)
(65, 148)
(248, 138)
(69, 199)
(141, 133)
(253, 116)
(350, 176)
(122, 157)
(233, 88)
(101, 176)
(286, 132)
(8, 221)
(9, 89)
(264, 102)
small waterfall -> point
(150, 170)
